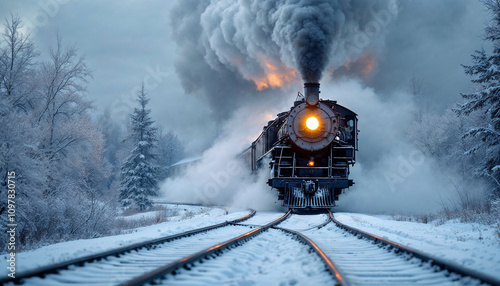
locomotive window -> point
(350, 126)
(349, 129)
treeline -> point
(465, 140)
(68, 167)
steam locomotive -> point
(311, 148)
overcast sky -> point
(126, 42)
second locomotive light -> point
(311, 148)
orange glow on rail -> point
(276, 75)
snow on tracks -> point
(272, 258)
(118, 252)
(471, 245)
(64, 251)
(262, 218)
(304, 222)
(116, 270)
(363, 263)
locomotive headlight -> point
(312, 99)
(312, 123)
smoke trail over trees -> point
(266, 42)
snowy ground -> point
(471, 245)
(271, 258)
(189, 217)
(304, 222)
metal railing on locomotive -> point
(293, 167)
(282, 140)
(339, 166)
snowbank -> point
(472, 245)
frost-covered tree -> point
(486, 70)
(50, 142)
(62, 109)
(115, 149)
(139, 177)
(70, 146)
(170, 150)
(441, 138)
(18, 143)
(17, 64)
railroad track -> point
(355, 257)
(159, 275)
(350, 257)
(272, 258)
(111, 267)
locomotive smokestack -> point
(311, 92)
(311, 87)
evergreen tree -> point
(170, 150)
(486, 69)
(139, 176)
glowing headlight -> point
(312, 123)
(337, 138)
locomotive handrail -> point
(313, 167)
(343, 147)
(312, 178)
(265, 154)
(279, 162)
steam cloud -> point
(226, 47)
(238, 45)
(301, 33)
(221, 177)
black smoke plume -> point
(237, 45)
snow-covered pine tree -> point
(486, 69)
(139, 176)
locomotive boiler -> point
(311, 148)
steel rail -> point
(187, 262)
(55, 268)
(323, 224)
(442, 264)
(330, 266)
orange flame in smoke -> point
(367, 62)
(275, 75)
(363, 66)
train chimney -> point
(311, 92)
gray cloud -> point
(228, 49)
(120, 40)
(430, 39)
